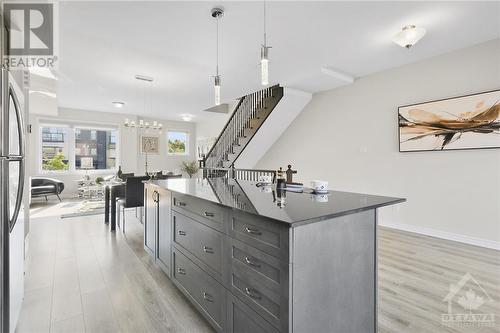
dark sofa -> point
(42, 187)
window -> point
(178, 142)
(78, 148)
(55, 148)
(95, 149)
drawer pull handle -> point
(182, 204)
(182, 233)
(208, 297)
(250, 262)
(208, 214)
(253, 231)
(181, 271)
(208, 249)
(250, 293)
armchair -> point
(43, 187)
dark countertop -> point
(299, 208)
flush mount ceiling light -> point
(118, 105)
(264, 56)
(408, 36)
(217, 13)
(186, 117)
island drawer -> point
(206, 292)
(242, 319)
(203, 242)
(212, 214)
(264, 234)
(271, 305)
(255, 265)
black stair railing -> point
(238, 174)
(250, 113)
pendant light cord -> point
(265, 35)
(145, 99)
(217, 48)
(151, 97)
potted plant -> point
(99, 180)
(190, 168)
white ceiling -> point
(103, 45)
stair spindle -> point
(257, 105)
(254, 104)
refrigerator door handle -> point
(20, 123)
(19, 197)
(20, 158)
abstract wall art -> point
(150, 145)
(465, 122)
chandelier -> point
(143, 124)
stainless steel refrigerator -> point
(12, 204)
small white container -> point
(319, 186)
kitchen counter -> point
(281, 205)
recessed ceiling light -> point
(118, 105)
(186, 117)
(408, 36)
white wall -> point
(129, 152)
(164, 161)
(349, 137)
(212, 126)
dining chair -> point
(133, 197)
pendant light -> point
(264, 56)
(217, 13)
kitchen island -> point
(258, 259)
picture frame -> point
(150, 145)
(457, 123)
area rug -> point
(86, 208)
(66, 209)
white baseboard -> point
(443, 235)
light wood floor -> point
(82, 278)
(415, 273)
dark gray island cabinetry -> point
(253, 259)
(157, 225)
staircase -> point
(249, 115)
